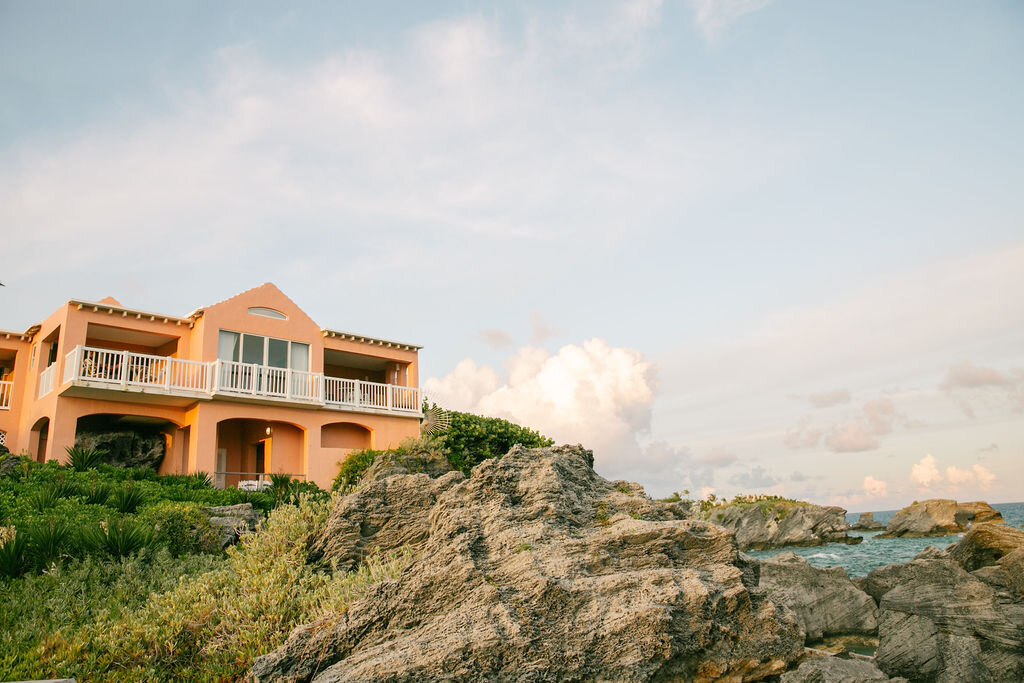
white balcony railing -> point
(5, 395)
(46, 380)
(125, 369)
(262, 380)
(359, 394)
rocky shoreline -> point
(535, 568)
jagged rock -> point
(126, 448)
(777, 524)
(233, 520)
(938, 517)
(835, 670)
(383, 514)
(431, 463)
(1013, 565)
(825, 601)
(985, 544)
(530, 570)
(941, 624)
(866, 522)
(982, 512)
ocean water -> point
(874, 552)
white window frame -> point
(266, 348)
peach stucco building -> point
(247, 386)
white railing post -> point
(358, 391)
(124, 369)
(387, 397)
(255, 370)
(213, 380)
(288, 383)
(167, 375)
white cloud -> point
(827, 399)
(861, 434)
(590, 393)
(713, 17)
(875, 488)
(985, 477)
(926, 472)
(957, 476)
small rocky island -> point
(866, 522)
(765, 522)
(939, 517)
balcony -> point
(6, 388)
(161, 375)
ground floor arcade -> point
(231, 441)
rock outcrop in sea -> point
(778, 523)
(955, 615)
(866, 522)
(536, 568)
(938, 517)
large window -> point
(253, 348)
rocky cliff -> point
(938, 517)
(535, 568)
(778, 523)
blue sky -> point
(738, 245)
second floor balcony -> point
(188, 379)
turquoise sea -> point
(875, 552)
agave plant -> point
(82, 459)
(14, 558)
(44, 498)
(97, 493)
(64, 488)
(202, 480)
(282, 486)
(126, 499)
(119, 539)
(47, 541)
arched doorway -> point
(38, 437)
(248, 450)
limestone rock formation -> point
(985, 544)
(233, 520)
(777, 524)
(835, 670)
(824, 601)
(532, 569)
(433, 464)
(941, 624)
(866, 522)
(126, 448)
(938, 517)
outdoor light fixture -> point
(268, 430)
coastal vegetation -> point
(468, 441)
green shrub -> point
(212, 626)
(118, 538)
(353, 467)
(82, 459)
(40, 614)
(14, 558)
(201, 480)
(471, 439)
(97, 493)
(182, 528)
(126, 499)
(47, 541)
(45, 498)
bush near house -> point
(62, 513)
(468, 441)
